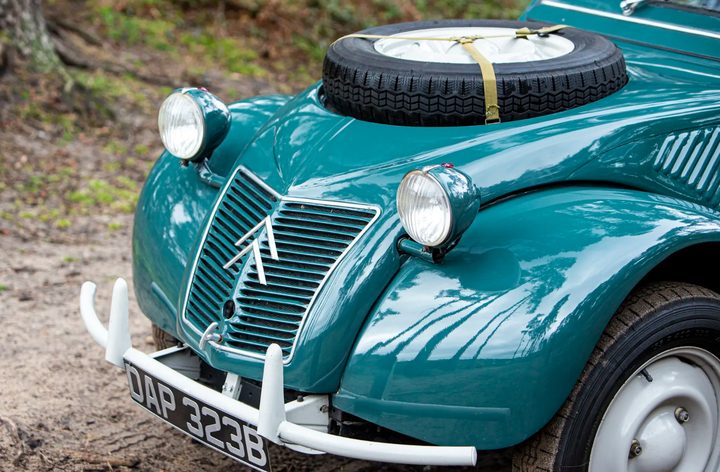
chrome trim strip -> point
(259, 181)
(376, 209)
(354, 206)
(631, 19)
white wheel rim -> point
(502, 50)
(687, 378)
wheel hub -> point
(663, 443)
(499, 46)
(664, 419)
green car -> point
(470, 235)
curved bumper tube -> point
(271, 418)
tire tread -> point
(413, 97)
(538, 453)
(162, 339)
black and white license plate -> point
(213, 427)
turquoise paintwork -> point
(483, 348)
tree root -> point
(56, 23)
(7, 58)
(71, 57)
(104, 460)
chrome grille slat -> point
(248, 345)
(286, 282)
(323, 217)
(213, 265)
(333, 211)
(241, 212)
(260, 295)
(350, 230)
(304, 266)
(270, 334)
(266, 195)
(307, 276)
(276, 293)
(311, 242)
(310, 237)
(277, 314)
(198, 313)
(283, 289)
(280, 307)
(205, 282)
(252, 318)
(259, 300)
(219, 247)
(300, 256)
(246, 202)
(252, 195)
(307, 249)
(258, 340)
(292, 229)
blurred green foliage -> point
(292, 34)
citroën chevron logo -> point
(255, 246)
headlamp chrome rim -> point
(212, 120)
(444, 206)
(164, 116)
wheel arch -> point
(483, 349)
(690, 265)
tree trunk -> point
(23, 22)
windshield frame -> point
(670, 4)
(637, 19)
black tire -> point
(364, 84)
(653, 319)
(162, 339)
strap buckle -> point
(492, 110)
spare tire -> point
(437, 83)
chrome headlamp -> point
(437, 204)
(193, 122)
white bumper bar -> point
(271, 418)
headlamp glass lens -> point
(424, 209)
(182, 127)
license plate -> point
(214, 428)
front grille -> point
(245, 203)
(310, 239)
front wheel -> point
(649, 397)
(162, 339)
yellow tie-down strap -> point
(492, 109)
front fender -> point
(483, 349)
